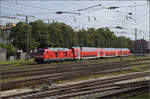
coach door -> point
(78, 53)
(104, 53)
(116, 52)
(98, 53)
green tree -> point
(83, 38)
(18, 36)
(8, 46)
(39, 34)
(62, 35)
(57, 34)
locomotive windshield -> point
(40, 51)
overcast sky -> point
(130, 14)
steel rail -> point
(102, 81)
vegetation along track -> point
(87, 87)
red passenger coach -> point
(89, 53)
(125, 52)
(86, 52)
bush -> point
(136, 69)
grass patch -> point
(13, 79)
(94, 76)
(145, 95)
(141, 96)
(17, 62)
(136, 69)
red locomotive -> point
(75, 53)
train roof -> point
(89, 49)
(123, 48)
(93, 48)
(86, 48)
(59, 49)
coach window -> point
(47, 52)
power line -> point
(35, 12)
(61, 12)
(32, 6)
(82, 9)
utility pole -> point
(121, 60)
(135, 42)
(27, 38)
(135, 34)
(48, 21)
(27, 34)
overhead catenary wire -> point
(31, 11)
(33, 6)
(82, 9)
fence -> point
(22, 56)
(2, 57)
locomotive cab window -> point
(40, 51)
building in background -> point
(7, 26)
(141, 46)
(148, 47)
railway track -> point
(86, 87)
(64, 74)
(124, 93)
(34, 65)
(52, 77)
(116, 89)
(61, 68)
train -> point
(77, 53)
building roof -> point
(8, 26)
